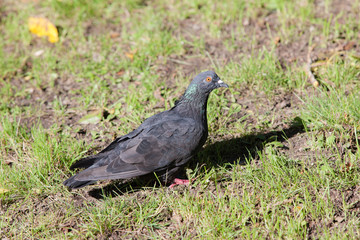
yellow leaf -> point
(3, 190)
(110, 111)
(131, 54)
(93, 117)
(43, 27)
(297, 208)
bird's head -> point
(204, 83)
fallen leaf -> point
(37, 190)
(121, 72)
(277, 40)
(96, 115)
(43, 27)
(315, 84)
(3, 190)
(246, 22)
(38, 53)
(297, 208)
(131, 54)
(109, 111)
(339, 219)
(261, 23)
(137, 83)
(114, 35)
(93, 117)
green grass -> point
(282, 158)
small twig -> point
(311, 76)
(319, 64)
(179, 61)
(334, 55)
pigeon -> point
(162, 144)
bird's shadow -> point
(232, 151)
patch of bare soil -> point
(351, 198)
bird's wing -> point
(154, 148)
(159, 146)
(106, 155)
(116, 142)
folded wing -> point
(150, 149)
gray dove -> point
(163, 143)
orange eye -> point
(208, 79)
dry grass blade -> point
(311, 76)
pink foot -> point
(178, 181)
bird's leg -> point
(178, 181)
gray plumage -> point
(162, 143)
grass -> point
(282, 158)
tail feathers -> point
(85, 162)
(72, 183)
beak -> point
(220, 83)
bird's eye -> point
(208, 79)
